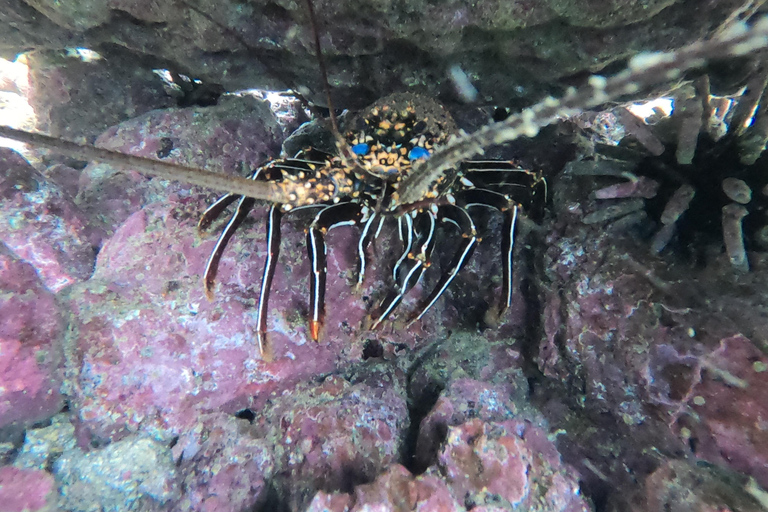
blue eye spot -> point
(361, 149)
(418, 152)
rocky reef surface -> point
(513, 51)
(618, 380)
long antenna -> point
(269, 191)
(323, 69)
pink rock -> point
(463, 400)
(26, 490)
(233, 137)
(30, 330)
(151, 352)
(333, 435)
(495, 464)
(655, 350)
(224, 468)
(396, 490)
(730, 406)
(42, 225)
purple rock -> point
(30, 329)
(333, 435)
(655, 350)
(26, 490)
(463, 400)
(501, 464)
(42, 225)
(223, 467)
(233, 137)
(396, 489)
(151, 352)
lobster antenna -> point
(323, 69)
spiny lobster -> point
(376, 177)
(361, 186)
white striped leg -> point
(212, 267)
(508, 252)
(342, 214)
(412, 267)
(215, 210)
(273, 252)
(504, 204)
(370, 231)
(461, 219)
(405, 229)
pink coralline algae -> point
(482, 466)
(657, 350)
(329, 435)
(334, 435)
(496, 464)
(26, 490)
(42, 225)
(234, 137)
(30, 332)
(151, 352)
(223, 467)
(396, 490)
(480, 451)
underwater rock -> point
(695, 487)
(333, 435)
(76, 96)
(656, 350)
(234, 137)
(513, 51)
(132, 474)
(42, 225)
(395, 490)
(504, 466)
(150, 352)
(509, 465)
(42, 446)
(461, 401)
(30, 355)
(221, 466)
(27, 490)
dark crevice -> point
(417, 410)
(270, 500)
(372, 349)
(419, 405)
(246, 414)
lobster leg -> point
(459, 217)
(214, 211)
(211, 268)
(510, 209)
(368, 234)
(412, 267)
(342, 214)
(273, 251)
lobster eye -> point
(418, 152)
(361, 149)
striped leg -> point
(503, 203)
(273, 252)
(342, 214)
(370, 231)
(244, 206)
(461, 219)
(412, 267)
(213, 212)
